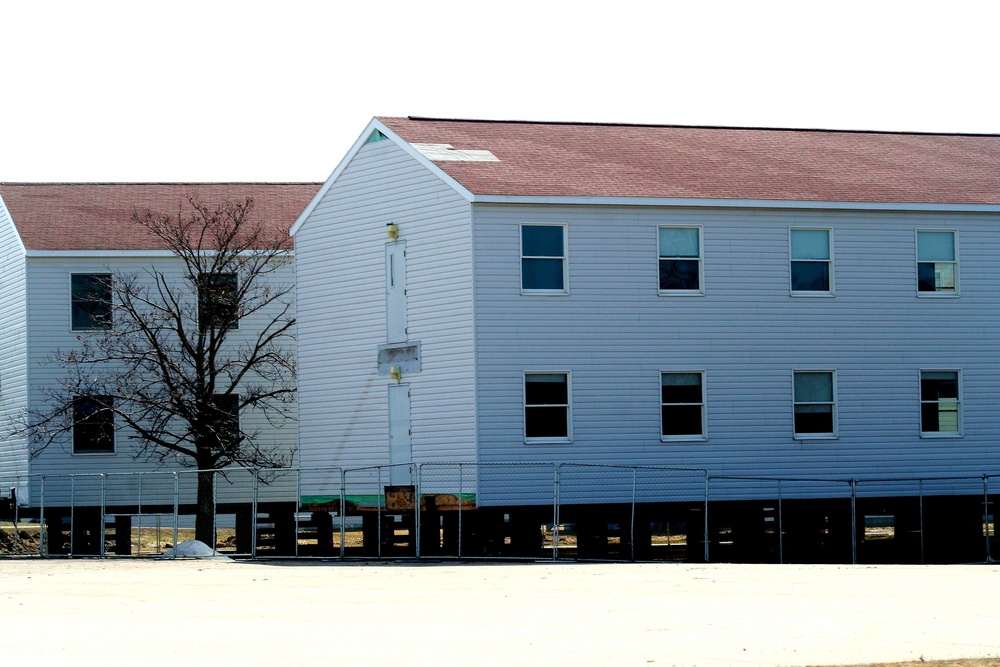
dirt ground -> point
(217, 612)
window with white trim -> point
(682, 405)
(811, 261)
(940, 402)
(680, 259)
(815, 404)
(93, 425)
(937, 262)
(543, 258)
(546, 407)
(90, 301)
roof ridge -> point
(701, 127)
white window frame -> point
(834, 434)
(703, 436)
(829, 262)
(700, 259)
(936, 294)
(564, 258)
(568, 405)
(920, 398)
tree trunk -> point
(204, 524)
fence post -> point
(42, 546)
(416, 506)
(781, 536)
(343, 512)
(555, 511)
(104, 503)
(631, 539)
(138, 521)
(379, 499)
(177, 494)
(921, 492)
(215, 510)
(72, 514)
(253, 519)
(461, 477)
(986, 515)
(854, 522)
(706, 515)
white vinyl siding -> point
(14, 459)
(614, 334)
(340, 261)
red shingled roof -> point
(599, 160)
(96, 216)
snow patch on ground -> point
(193, 549)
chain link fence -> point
(507, 510)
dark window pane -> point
(542, 274)
(814, 419)
(546, 389)
(682, 393)
(91, 301)
(925, 277)
(227, 418)
(93, 425)
(542, 241)
(678, 274)
(935, 386)
(549, 422)
(217, 301)
(681, 420)
(810, 277)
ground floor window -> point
(682, 405)
(940, 403)
(546, 406)
(93, 425)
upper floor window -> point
(93, 425)
(90, 301)
(815, 403)
(682, 405)
(680, 259)
(546, 407)
(543, 258)
(218, 301)
(937, 262)
(811, 261)
(940, 403)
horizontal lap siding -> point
(13, 362)
(614, 333)
(49, 330)
(340, 254)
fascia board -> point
(738, 203)
(375, 124)
(113, 254)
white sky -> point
(278, 91)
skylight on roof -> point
(445, 153)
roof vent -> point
(445, 153)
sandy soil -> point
(151, 612)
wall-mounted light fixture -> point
(396, 373)
(393, 229)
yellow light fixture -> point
(393, 230)
(396, 373)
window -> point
(937, 263)
(93, 425)
(940, 403)
(682, 405)
(815, 406)
(680, 259)
(227, 418)
(810, 261)
(543, 258)
(546, 406)
(90, 301)
(218, 301)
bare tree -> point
(166, 360)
